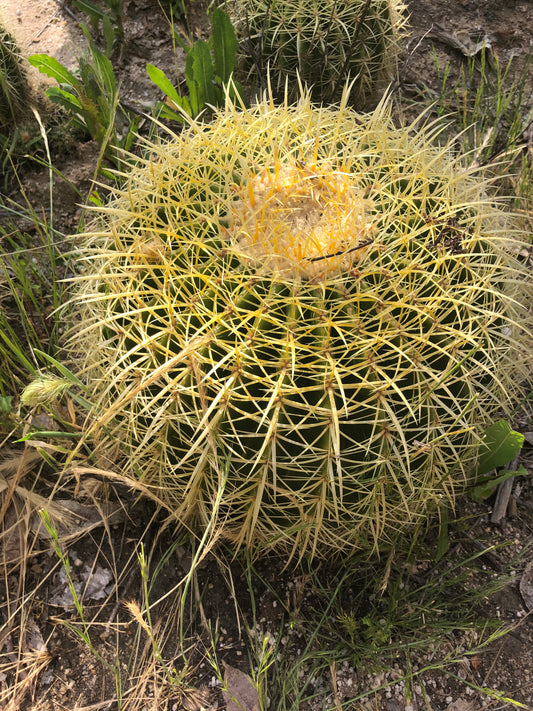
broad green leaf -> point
(200, 73)
(191, 84)
(488, 487)
(224, 44)
(64, 97)
(69, 102)
(94, 12)
(161, 80)
(54, 69)
(499, 446)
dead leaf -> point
(32, 639)
(528, 436)
(13, 528)
(91, 585)
(240, 693)
(460, 705)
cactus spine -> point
(321, 43)
(309, 314)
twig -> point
(67, 10)
(504, 494)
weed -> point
(92, 99)
(489, 107)
(335, 623)
(487, 104)
(208, 73)
(110, 14)
(27, 320)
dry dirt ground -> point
(70, 676)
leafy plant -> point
(208, 73)
(499, 446)
(331, 302)
(112, 24)
(92, 99)
(321, 43)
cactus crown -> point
(323, 43)
(306, 315)
(295, 218)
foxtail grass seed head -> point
(44, 390)
(298, 322)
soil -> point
(70, 676)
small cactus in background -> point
(14, 87)
(320, 43)
(306, 316)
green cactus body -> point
(14, 87)
(309, 314)
(321, 43)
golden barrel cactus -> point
(320, 43)
(301, 320)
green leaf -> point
(109, 34)
(499, 446)
(6, 403)
(161, 80)
(48, 434)
(94, 12)
(104, 70)
(224, 44)
(54, 69)
(69, 102)
(488, 487)
(65, 98)
(65, 372)
(164, 111)
(128, 140)
(200, 76)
